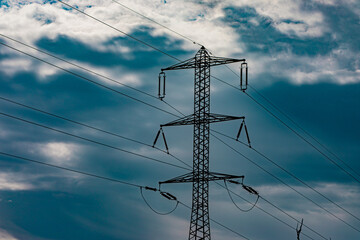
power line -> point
(100, 75)
(290, 128)
(222, 134)
(101, 144)
(91, 141)
(71, 170)
(80, 76)
(78, 66)
(304, 139)
(152, 20)
(273, 216)
(68, 120)
(136, 99)
(118, 30)
(107, 179)
(86, 140)
(348, 224)
(80, 11)
(291, 174)
(305, 184)
(302, 129)
(91, 71)
(52, 129)
(232, 200)
(67, 71)
(91, 127)
(216, 79)
(155, 211)
(89, 80)
(35, 109)
(136, 39)
(226, 84)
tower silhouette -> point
(201, 119)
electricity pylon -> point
(201, 119)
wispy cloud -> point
(6, 236)
(14, 182)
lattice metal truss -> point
(201, 119)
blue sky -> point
(302, 55)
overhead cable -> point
(293, 130)
(232, 200)
(112, 180)
(155, 211)
(70, 170)
(292, 175)
(65, 70)
(214, 78)
(74, 121)
(90, 127)
(89, 80)
(118, 30)
(152, 20)
(273, 216)
(223, 81)
(304, 139)
(302, 129)
(78, 66)
(332, 214)
(91, 141)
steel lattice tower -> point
(200, 223)
(201, 119)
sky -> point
(303, 57)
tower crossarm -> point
(215, 61)
(191, 63)
(190, 177)
(210, 118)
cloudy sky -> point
(303, 56)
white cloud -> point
(311, 23)
(326, 2)
(190, 19)
(60, 152)
(200, 22)
(17, 63)
(11, 66)
(117, 73)
(13, 182)
(4, 235)
(305, 69)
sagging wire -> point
(164, 194)
(245, 187)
